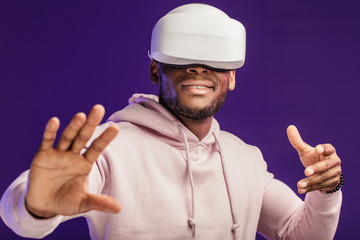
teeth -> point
(198, 87)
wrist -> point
(37, 214)
(338, 187)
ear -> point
(232, 80)
(154, 72)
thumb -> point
(102, 203)
(295, 139)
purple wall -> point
(61, 57)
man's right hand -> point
(58, 180)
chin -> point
(196, 104)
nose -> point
(198, 70)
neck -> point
(199, 127)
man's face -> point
(194, 92)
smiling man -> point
(166, 161)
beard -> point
(173, 104)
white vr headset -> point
(198, 34)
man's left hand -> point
(322, 165)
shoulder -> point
(242, 155)
(232, 140)
(123, 127)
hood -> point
(145, 111)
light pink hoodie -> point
(173, 186)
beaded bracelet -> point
(338, 187)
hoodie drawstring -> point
(192, 220)
(235, 225)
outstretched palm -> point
(59, 176)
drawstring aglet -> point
(192, 224)
(234, 227)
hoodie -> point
(173, 186)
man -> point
(165, 160)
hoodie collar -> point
(146, 111)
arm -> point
(285, 216)
(57, 183)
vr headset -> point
(198, 34)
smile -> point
(198, 90)
(197, 83)
(198, 87)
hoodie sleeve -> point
(285, 216)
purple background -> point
(61, 57)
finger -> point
(49, 134)
(325, 149)
(99, 144)
(327, 182)
(101, 203)
(323, 165)
(95, 116)
(295, 139)
(71, 131)
(320, 177)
